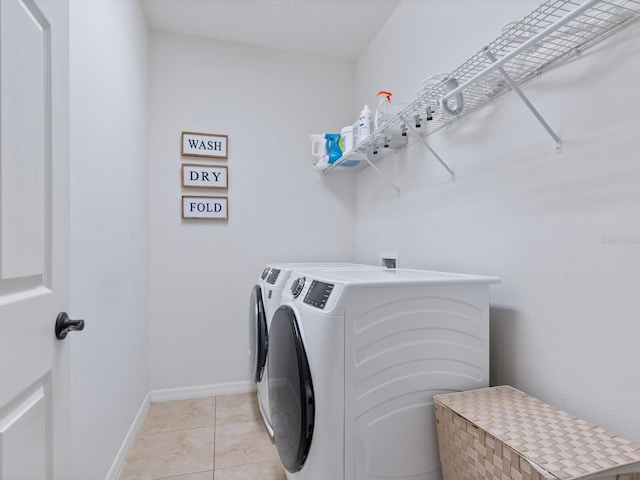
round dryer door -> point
(291, 399)
(258, 339)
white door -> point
(34, 238)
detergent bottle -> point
(333, 146)
(346, 139)
(364, 125)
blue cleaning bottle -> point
(333, 146)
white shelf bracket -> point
(526, 101)
(372, 165)
(442, 162)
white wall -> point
(562, 231)
(109, 233)
(201, 272)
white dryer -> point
(265, 299)
(355, 358)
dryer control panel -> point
(273, 276)
(318, 293)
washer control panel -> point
(318, 294)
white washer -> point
(265, 299)
(355, 359)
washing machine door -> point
(258, 339)
(291, 399)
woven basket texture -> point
(502, 433)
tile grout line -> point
(215, 427)
(181, 475)
(174, 430)
(245, 464)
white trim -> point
(183, 393)
(118, 462)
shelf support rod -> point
(442, 162)
(526, 101)
(523, 47)
(372, 165)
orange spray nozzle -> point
(386, 94)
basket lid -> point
(563, 445)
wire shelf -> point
(550, 35)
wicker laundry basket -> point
(502, 433)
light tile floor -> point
(212, 438)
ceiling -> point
(334, 28)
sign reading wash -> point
(214, 208)
(204, 145)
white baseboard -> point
(183, 393)
(118, 463)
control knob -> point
(265, 272)
(297, 286)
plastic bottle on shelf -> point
(333, 146)
(346, 138)
(364, 125)
(383, 112)
(394, 136)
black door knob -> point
(64, 325)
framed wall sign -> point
(210, 208)
(204, 176)
(210, 145)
